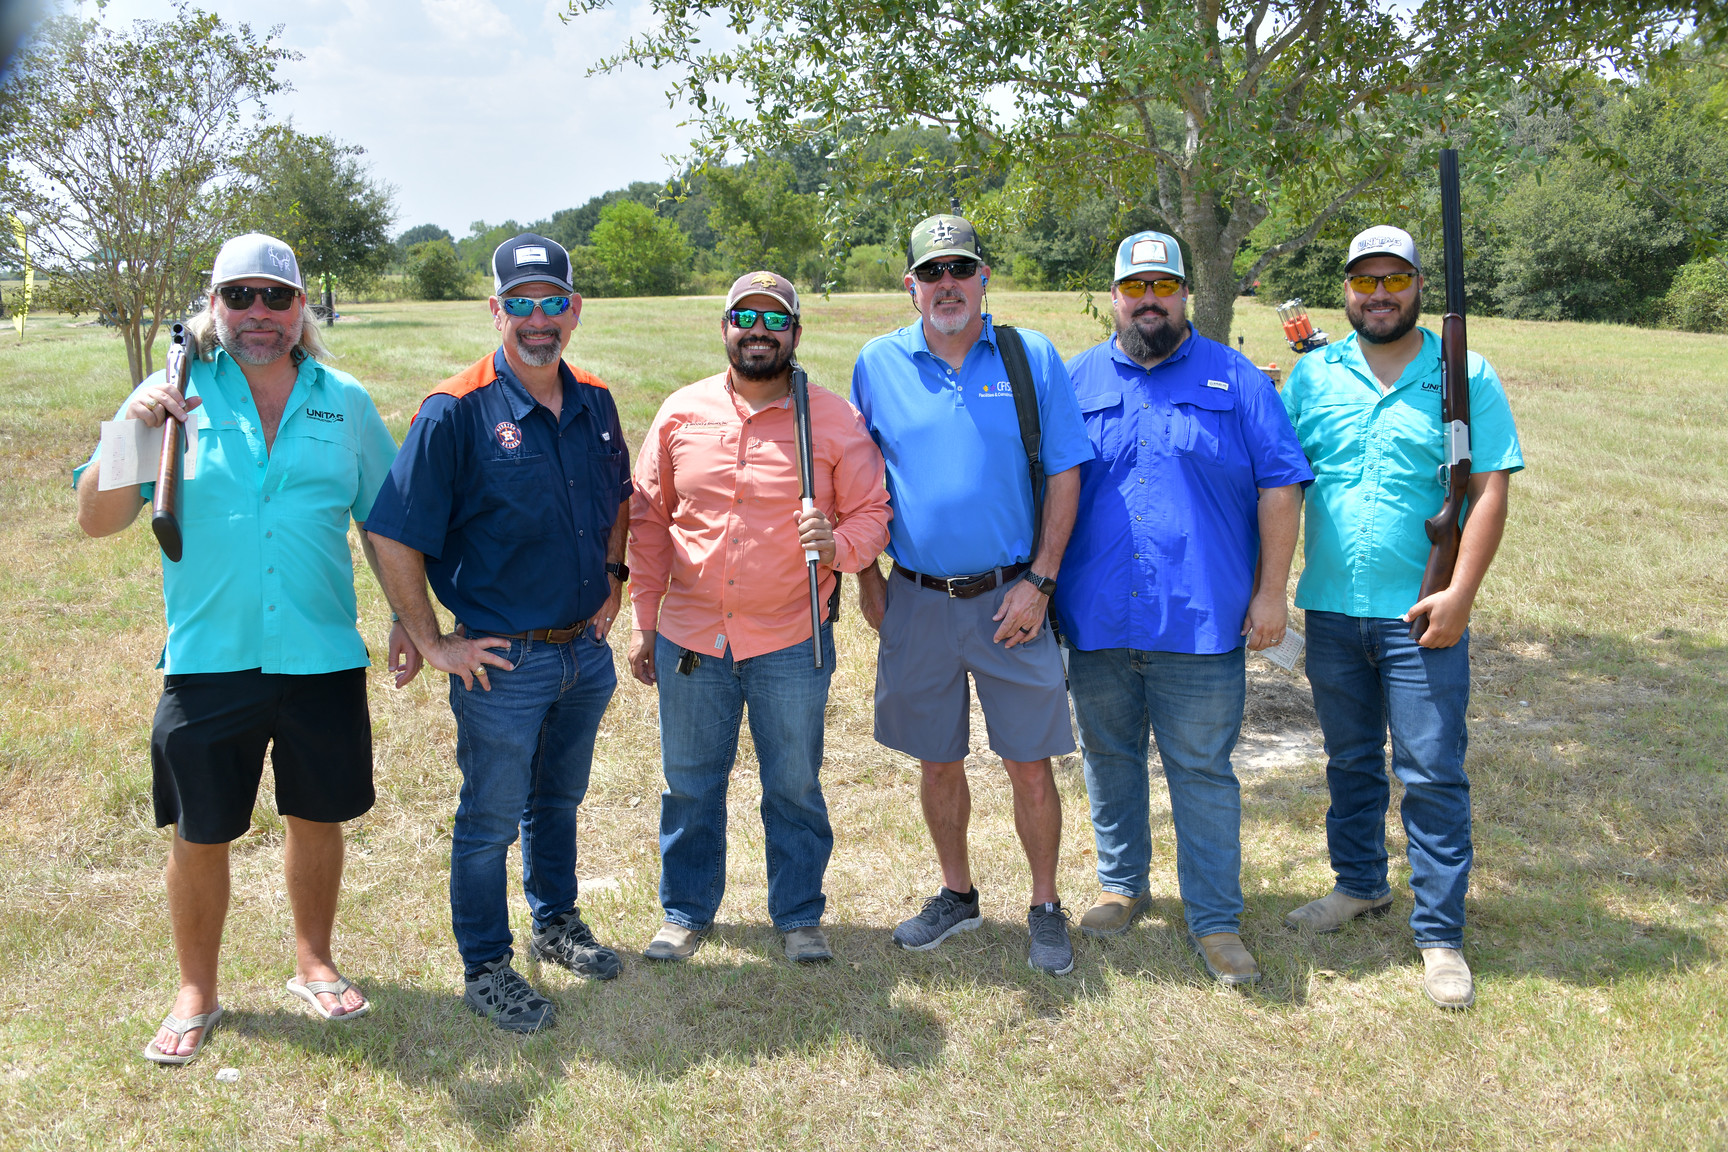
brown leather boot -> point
(1113, 913)
(1334, 910)
(1226, 959)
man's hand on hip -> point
(467, 657)
(1022, 615)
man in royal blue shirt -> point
(1181, 550)
(511, 495)
(968, 594)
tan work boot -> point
(1334, 910)
(1113, 913)
(1226, 959)
(1447, 980)
(807, 945)
(673, 942)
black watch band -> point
(622, 571)
(1044, 584)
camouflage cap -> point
(940, 236)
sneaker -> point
(503, 997)
(568, 942)
(942, 915)
(1051, 950)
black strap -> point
(1013, 350)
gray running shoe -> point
(943, 915)
(1051, 951)
(567, 941)
(503, 997)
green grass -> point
(1597, 914)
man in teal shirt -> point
(1367, 413)
(262, 646)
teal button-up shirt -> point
(1376, 459)
(266, 579)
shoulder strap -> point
(1013, 350)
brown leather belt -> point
(544, 635)
(965, 587)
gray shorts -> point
(929, 642)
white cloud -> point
(460, 19)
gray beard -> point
(948, 326)
(537, 357)
(1140, 347)
(229, 338)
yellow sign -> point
(29, 278)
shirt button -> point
(572, 483)
(728, 581)
(728, 615)
(1133, 593)
(260, 463)
(269, 571)
(1142, 443)
(1142, 479)
(266, 499)
(740, 499)
(1143, 404)
(272, 607)
(734, 539)
(267, 535)
(581, 532)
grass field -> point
(1598, 927)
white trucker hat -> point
(1383, 240)
(256, 254)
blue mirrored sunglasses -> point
(773, 321)
(524, 305)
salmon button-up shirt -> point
(715, 561)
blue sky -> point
(473, 109)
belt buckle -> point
(959, 587)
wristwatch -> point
(622, 571)
(1044, 584)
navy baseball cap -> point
(529, 257)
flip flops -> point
(205, 1020)
(308, 991)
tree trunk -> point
(134, 353)
(1212, 280)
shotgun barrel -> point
(807, 495)
(165, 512)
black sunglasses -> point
(962, 270)
(277, 298)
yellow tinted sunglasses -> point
(1394, 281)
(1137, 288)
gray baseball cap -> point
(256, 255)
(1383, 240)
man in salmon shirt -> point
(722, 611)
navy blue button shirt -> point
(511, 507)
(1164, 547)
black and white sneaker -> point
(503, 997)
(1051, 950)
(568, 942)
(943, 915)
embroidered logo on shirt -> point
(1220, 384)
(509, 435)
(325, 417)
(1431, 386)
(1000, 388)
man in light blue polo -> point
(969, 595)
(262, 647)
(1179, 558)
(1367, 411)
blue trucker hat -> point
(1148, 252)
(529, 257)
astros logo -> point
(509, 435)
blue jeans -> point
(1192, 705)
(699, 720)
(525, 749)
(1369, 678)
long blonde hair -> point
(203, 329)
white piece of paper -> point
(132, 450)
(1286, 652)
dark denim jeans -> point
(1192, 705)
(1370, 679)
(700, 716)
(525, 749)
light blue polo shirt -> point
(1376, 460)
(266, 579)
(951, 439)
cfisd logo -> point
(1000, 388)
(325, 417)
(509, 435)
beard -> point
(1382, 329)
(1142, 345)
(954, 323)
(759, 368)
(538, 355)
(287, 336)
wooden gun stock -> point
(164, 516)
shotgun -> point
(164, 518)
(1446, 527)
(807, 493)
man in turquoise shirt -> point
(1367, 413)
(262, 646)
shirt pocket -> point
(1200, 424)
(606, 476)
(774, 483)
(515, 497)
(1332, 437)
(323, 479)
(1102, 413)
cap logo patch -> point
(509, 435)
(944, 232)
(1149, 252)
(764, 280)
(531, 254)
(1373, 242)
(284, 261)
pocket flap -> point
(1099, 401)
(1211, 399)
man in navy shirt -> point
(512, 496)
(968, 595)
(1181, 550)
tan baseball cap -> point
(763, 283)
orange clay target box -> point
(1298, 328)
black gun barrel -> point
(1452, 231)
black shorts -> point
(207, 749)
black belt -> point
(545, 635)
(965, 587)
